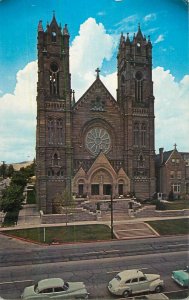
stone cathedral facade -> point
(99, 145)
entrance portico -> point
(101, 180)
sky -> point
(95, 27)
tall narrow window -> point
(138, 87)
(143, 135)
(53, 36)
(50, 131)
(54, 79)
(55, 159)
(59, 130)
(136, 134)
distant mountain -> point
(18, 166)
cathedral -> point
(98, 146)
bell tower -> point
(136, 100)
(53, 136)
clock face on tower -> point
(97, 139)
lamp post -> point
(112, 223)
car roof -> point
(130, 273)
(50, 282)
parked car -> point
(55, 288)
(135, 281)
(159, 296)
(181, 277)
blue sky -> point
(95, 27)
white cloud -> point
(18, 114)
(150, 17)
(87, 52)
(159, 39)
(171, 109)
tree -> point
(10, 171)
(3, 168)
(20, 179)
(63, 202)
(12, 198)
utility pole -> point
(112, 226)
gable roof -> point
(90, 89)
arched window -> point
(59, 131)
(50, 131)
(50, 173)
(138, 87)
(55, 159)
(53, 36)
(143, 135)
(54, 79)
(136, 134)
(141, 161)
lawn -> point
(170, 227)
(63, 234)
(177, 204)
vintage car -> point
(181, 277)
(134, 281)
(55, 288)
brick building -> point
(172, 172)
(98, 145)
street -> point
(21, 266)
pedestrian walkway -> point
(124, 228)
(29, 215)
(131, 228)
(134, 230)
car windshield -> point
(65, 286)
(118, 277)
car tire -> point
(126, 293)
(159, 289)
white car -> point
(55, 288)
(134, 281)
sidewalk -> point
(132, 228)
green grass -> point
(177, 204)
(63, 234)
(170, 227)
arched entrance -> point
(101, 183)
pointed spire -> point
(127, 39)
(139, 33)
(54, 22)
(73, 96)
(149, 41)
(40, 26)
(65, 30)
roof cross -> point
(97, 72)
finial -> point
(73, 96)
(138, 26)
(65, 30)
(97, 72)
(149, 38)
(53, 13)
(175, 145)
(40, 26)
